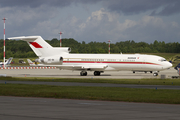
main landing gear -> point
(96, 73)
(83, 73)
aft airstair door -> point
(143, 64)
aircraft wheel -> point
(82, 73)
(155, 74)
(97, 73)
(133, 71)
(85, 74)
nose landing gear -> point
(155, 74)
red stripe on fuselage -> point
(35, 44)
(110, 62)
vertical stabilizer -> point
(38, 45)
(41, 48)
(30, 62)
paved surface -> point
(21, 108)
(76, 74)
(93, 84)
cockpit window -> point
(162, 59)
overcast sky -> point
(93, 20)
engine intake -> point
(51, 60)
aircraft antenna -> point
(4, 41)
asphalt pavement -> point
(23, 108)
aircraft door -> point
(143, 67)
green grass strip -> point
(92, 80)
(92, 93)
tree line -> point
(20, 49)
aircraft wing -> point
(82, 67)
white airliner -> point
(61, 58)
(7, 62)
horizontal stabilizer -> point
(24, 38)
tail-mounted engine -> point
(65, 49)
(60, 50)
(51, 60)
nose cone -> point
(169, 65)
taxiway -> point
(19, 108)
(76, 74)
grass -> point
(88, 80)
(92, 93)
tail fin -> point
(30, 62)
(37, 44)
(9, 61)
(41, 47)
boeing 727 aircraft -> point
(61, 58)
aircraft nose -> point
(170, 65)
(167, 65)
